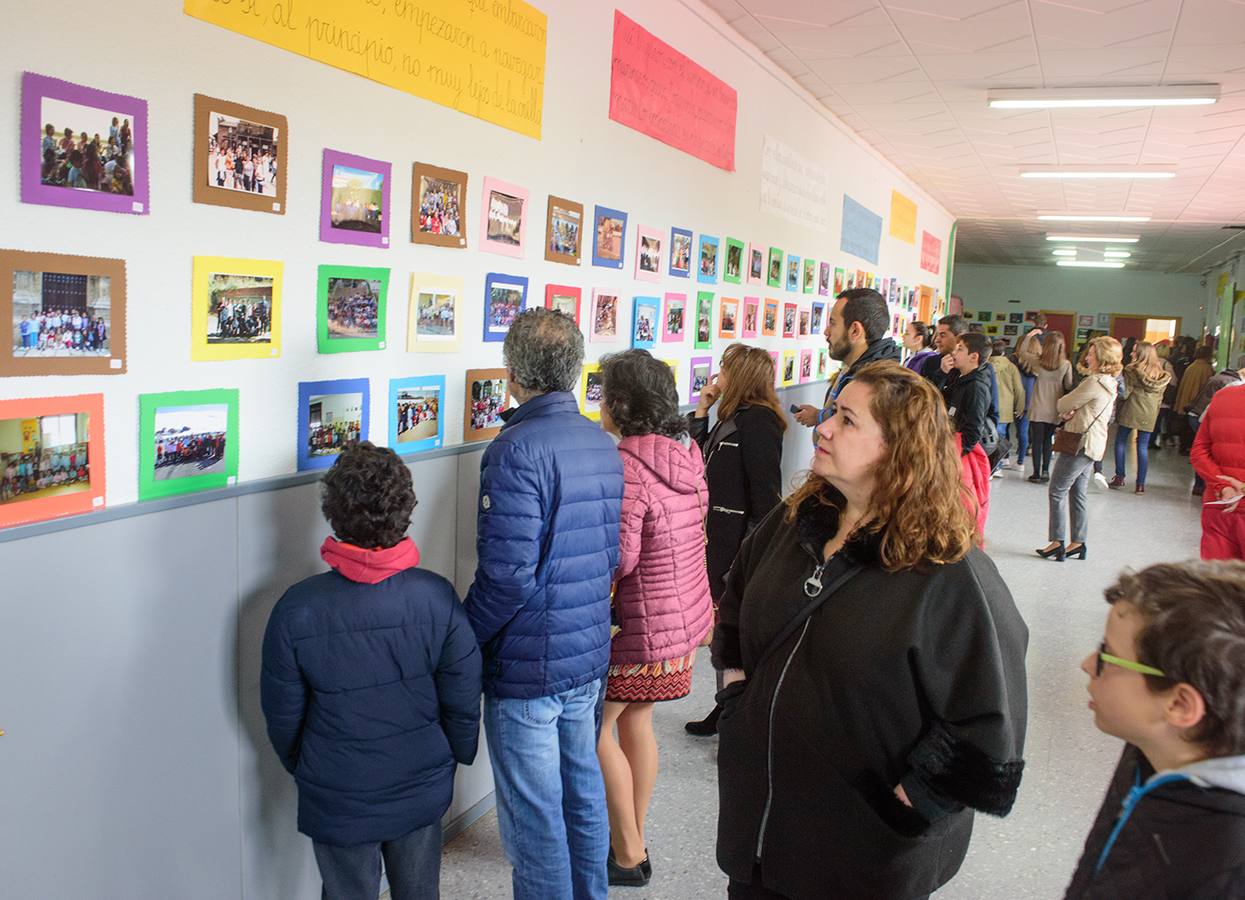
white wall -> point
(1082, 291)
(583, 156)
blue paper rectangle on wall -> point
(862, 231)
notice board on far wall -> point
(660, 92)
(484, 60)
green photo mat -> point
(151, 488)
(704, 301)
(770, 278)
(326, 344)
(737, 278)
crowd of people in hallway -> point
(870, 659)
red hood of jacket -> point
(369, 566)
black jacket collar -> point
(817, 522)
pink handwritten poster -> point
(931, 252)
(658, 91)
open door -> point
(1144, 328)
(1063, 322)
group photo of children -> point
(417, 415)
(356, 200)
(43, 457)
(60, 314)
(239, 309)
(488, 401)
(352, 307)
(564, 232)
(86, 148)
(605, 316)
(504, 303)
(440, 210)
(435, 315)
(190, 440)
(505, 218)
(242, 155)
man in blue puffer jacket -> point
(550, 500)
(371, 688)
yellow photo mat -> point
(201, 350)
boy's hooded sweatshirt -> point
(1177, 834)
(371, 692)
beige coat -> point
(1090, 404)
(1140, 408)
(1011, 389)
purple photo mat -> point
(341, 235)
(35, 87)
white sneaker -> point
(998, 473)
(1005, 464)
(1100, 482)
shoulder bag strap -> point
(803, 615)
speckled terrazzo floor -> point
(1031, 853)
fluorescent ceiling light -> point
(1090, 264)
(1062, 218)
(1116, 254)
(1066, 172)
(1096, 238)
(1064, 251)
(1114, 96)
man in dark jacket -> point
(856, 333)
(1169, 679)
(371, 688)
(547, 540)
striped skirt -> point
(654, 682)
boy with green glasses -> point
(1169, 679)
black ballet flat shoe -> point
(1058, 553)
(646, 866)
(1036, 479)
(620, 877)
(1079, 553)
(706, 727)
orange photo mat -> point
(21, 512)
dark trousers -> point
(1041, 440)
(737, 890)
(413, 864)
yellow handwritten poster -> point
(485, 58)
(903, 218)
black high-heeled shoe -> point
(622, 877)
(1079, 553)
(1058, 553)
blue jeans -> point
(1121, 450)
(550, 797)
(1022, 424)
(413, 864)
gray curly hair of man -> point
(544, 350)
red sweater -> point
(1219, 448)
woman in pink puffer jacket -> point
(661, 598)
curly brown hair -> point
(922, 511)
(367, 496)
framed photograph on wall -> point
(769, 318)
(756, 264)
(351, 304)
(984, 315)
(505, 296)
(823, 363)
(733, 268)
(701, 374)
(1104, 320)
(728, 318)
(1015, 318)
(487, 396)
(564, 231)
(777, 360)
(680, 265)
(438, 206)
(565, 299)
(416, 413)
(609, 237)
(806, 365)
(793, 272)
(752, 315)
(354, 200)
(51, 457)
(236, 308)
(823, 279)
(83, 148)
(707, 270)
(704, 320)
(433, 321)
(674, 322)
(605, 304)
(645, 314)
(503, 218)
(804, 323)
(790, 319)
(819, 312)
(61, 315)
(1011, 330)
(773, 276)
(647, 253)
(810, 275)
(840, 281)
(240, 156)
(332, 415)
(788, 368)
(187, 442)
(590, 390)
(1086, 321)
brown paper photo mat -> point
(215, 196)
(470, 435)
(456, 241)
(114, 269)
(569, 206)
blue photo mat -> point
(691, 253)
(309, 389)
(707, 277)
(597, 213)
(494, 333)
(418, 383)
(793, 272)
(639, 304)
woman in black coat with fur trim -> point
(875, 675)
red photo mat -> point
(38, 509)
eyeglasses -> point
(1105, 657)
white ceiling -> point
(910, 77)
